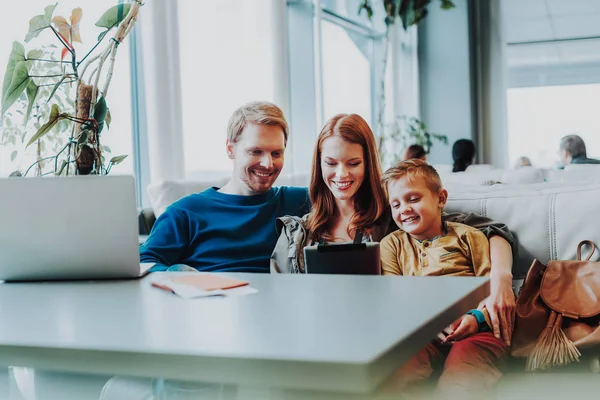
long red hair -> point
(369, 201)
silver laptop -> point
(346, 259)
(77, 227)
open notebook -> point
(203, 284)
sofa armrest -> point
(146, 220)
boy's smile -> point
(415, 208)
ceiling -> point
(552, 32)
(537, 20)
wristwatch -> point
(481, 322)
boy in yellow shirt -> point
(424, 246)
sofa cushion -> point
(165, 193)
(522, 175)
(489, 176)
(576, 173)
(547, 219)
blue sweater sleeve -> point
(168, 240)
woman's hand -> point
(501, 303)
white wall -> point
(492, 70)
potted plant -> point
(403, 132)
(62, 92)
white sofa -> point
(485, 174)
(548, 219)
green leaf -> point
(55, 88)
(366, 5)
(447, 4)
(55, 116)
(100, 110)
(83, 137)
(106, 149)
(40, 22)
(108, 118)
(113, 16)
(32, 92)
(17, 54)
(13, 156)
(35, 54)
(48, 11)
(102, 34)
(62, 167)
(117, 159)
(19, 82)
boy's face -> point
(415, 208)
(257, 158)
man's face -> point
(415, 208)
(257, 158)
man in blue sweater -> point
(232, 229)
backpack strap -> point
(589, 243)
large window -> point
(14, 134)
(226, 61)
(346, 71)
(538, 117)
(335, 67)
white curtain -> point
(162, 82)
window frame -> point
(306, 114)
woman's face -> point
(343, 166)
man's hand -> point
(501, 306)
(462, 328)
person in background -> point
(232, 229)
(425, 245)
(415, 151)
(463, 153)
(523, 162)
(572, 151)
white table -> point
(344, 334)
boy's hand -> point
(462, 328)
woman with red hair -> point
(345, 192)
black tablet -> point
(346, 259)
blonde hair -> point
(256, 112)
(411, 169)
(369, 200)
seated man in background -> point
(572, 151)
(426, 246)
(232, 229)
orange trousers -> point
(469, 368)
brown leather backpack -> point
(558, 312)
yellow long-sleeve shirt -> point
(461, 251)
